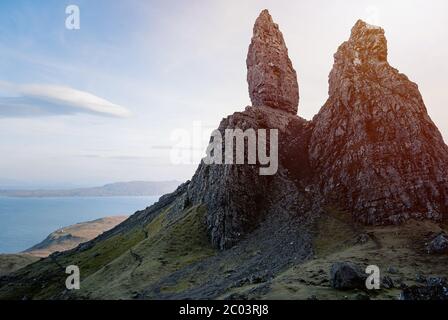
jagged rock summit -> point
(371, 151)
(375, 151)
(236, 196)
(271, 77)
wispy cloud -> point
(34, 100)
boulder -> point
(347, 276)
(438, 245)
(387, 282)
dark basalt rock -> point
(439, 245)
(237, 197)
(347, 276)
(435, 289)
(387, 282)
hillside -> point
(363, 183)
(10, 263)
(61, 240)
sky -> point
(143, 82)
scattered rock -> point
(435, 289)
(260, 290)
(387, 282)
(420, 278)
(346, 276)
(237, 296)
(361, 296)
(439, 245)
(437, 282)
(392, 270)
(254, 279)
(363, 238)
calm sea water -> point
(25, 222)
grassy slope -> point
(170, 245)
(130, 263)
(12, 262)
(401, 247)
(121, 265)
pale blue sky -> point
(100, 104)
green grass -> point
(399, 246)
(170, 246)
(333, 231)
(12, 262)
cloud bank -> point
(44, 100)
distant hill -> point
(133, 188)
(70, 237)
(60, 240)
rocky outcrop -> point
(271, 77)
(374, 148)
(237, 197)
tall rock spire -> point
(375, 149)
(271, 77)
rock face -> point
(236, 196)
(375, 149)
(271, 77)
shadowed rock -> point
(346, 276)
(439, 245)
(272, 79)
(436, 288)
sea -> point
(25, 222)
